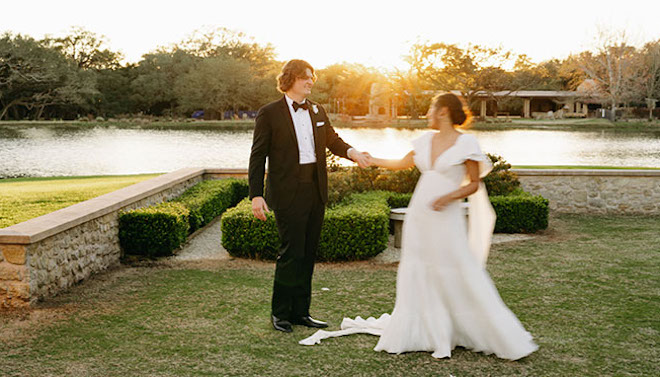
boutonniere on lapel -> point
(315, 109)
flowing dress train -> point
(444, 295)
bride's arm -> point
(404, 163)
(472, 168)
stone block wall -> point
(48, 254)
(59, 261)
(595, 191)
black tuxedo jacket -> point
(275, 138)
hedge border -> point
(361, 222)
(519, 212)
(158, 230)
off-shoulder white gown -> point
(444, 296)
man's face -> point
(303, 85)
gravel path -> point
(206, 244)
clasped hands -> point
(260, 208)
(363, 159)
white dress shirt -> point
(302, 124)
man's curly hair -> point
(292, 70)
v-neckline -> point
(433, 161)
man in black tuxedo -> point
(294, 132)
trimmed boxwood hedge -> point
(245, 236)
(159, 230)
(209, 199)
(398, 200)
(519, 212)
(153, 231)
(355, 229)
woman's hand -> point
(440, 203)
(404, 163)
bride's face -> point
(434, 117)
(430, 116)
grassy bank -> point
(570, 125)
(490, 125)
(574, 167)
(586, 289)
(24, 198)
(141, 124)
(524, 124)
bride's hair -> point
(460, 115)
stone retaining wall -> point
(595, 191)
(45, 255)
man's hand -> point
(371, 160)
(259, 208)
(362, 158)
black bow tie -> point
(297, 106)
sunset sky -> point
(374, 33)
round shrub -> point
(501, 180)
(401, 181)
(345, 181)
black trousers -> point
(299, 227)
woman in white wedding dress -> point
(444, 296)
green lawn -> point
(231, 124)
(490, 124)
(524, 124)
(22, 199)
(570, 125)
(581, 167)
(588, 289)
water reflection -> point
(48, 151)
(530, 147)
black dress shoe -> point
(309, 322)
(281, 324)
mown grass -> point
(588, 289)
(598, 167)
(571, 125)
(22, 199)
(489, 124)
(247, 123)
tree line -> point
(218, 70)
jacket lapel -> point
(286, 115)
(314, 117)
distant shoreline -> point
(4, 180)
(489, 125)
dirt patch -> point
(96, 295)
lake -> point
(62, 151)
